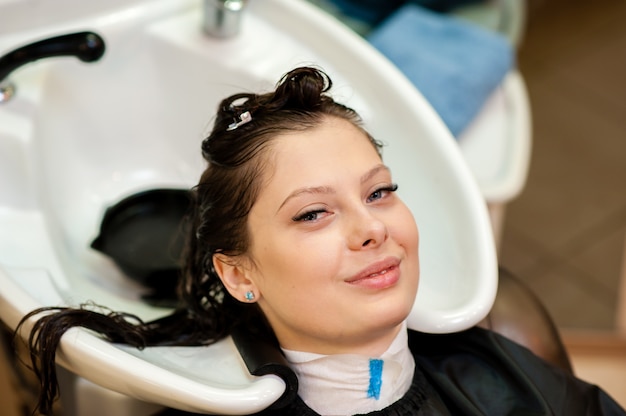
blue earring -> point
(249, 296)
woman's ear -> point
(234, 276)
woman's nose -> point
(366, 231)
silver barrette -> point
(244, 118)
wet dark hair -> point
(237, 154)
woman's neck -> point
(372, 344)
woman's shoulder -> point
(475, 340)
(481, 372)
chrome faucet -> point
(222, 18)
(86, 46)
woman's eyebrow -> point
(327, 189)
(374, 171)
(308, 190)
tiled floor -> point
(565, 234)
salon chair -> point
(519, 315)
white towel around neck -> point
(341, 384)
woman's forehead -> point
(318, 157)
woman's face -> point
(334, 251)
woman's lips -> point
(379, 275)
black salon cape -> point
(478, 372)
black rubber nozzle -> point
(86, 46)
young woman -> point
(297, 236)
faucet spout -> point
(86, 46)
(222, 18)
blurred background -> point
(565, 234)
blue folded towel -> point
(455, 64)
(371, 12)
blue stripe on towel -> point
(376, 378)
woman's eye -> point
(309, 216)
(382, 192)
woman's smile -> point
(379, 275)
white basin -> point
(496, 145)
(78, 138)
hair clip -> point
(244, 118)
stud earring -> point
(249, 296)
